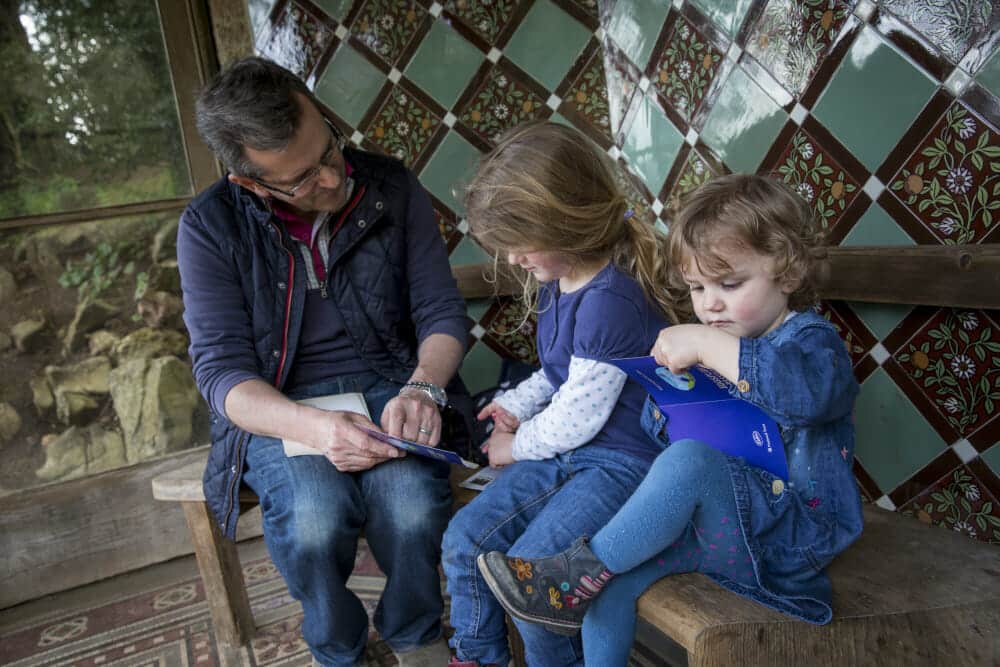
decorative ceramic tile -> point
(951, 183)
(686, 69)
(349, 84)
(695, 172)
(870, 124)
(509, 333)
(651, 143)
(792, 36)
(728, 15)
(448, 168)
(547, 43)
(588, 95)
(989, 77)
(297, 40)
(893, 439)
(623, 81)
(639, 201)
(336, 9)
(876, 227)
(500, 103)
(818, 178)
(480, 368)
(388, 26)
(403, 126)
(486, 19)
(588, 6)
(881, 318)
(962, 503)
(743, 123)
(443, 64)
(447, 225)
(953, 27)
(634, 25)
(954, 360)
(857, 339)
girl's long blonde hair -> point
(547, 187)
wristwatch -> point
(436, 393)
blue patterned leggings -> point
(682, 518)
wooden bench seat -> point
(904, 594)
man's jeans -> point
(534, 508)
(313, 515)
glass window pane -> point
(87, 116)
(93, 350)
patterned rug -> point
(167, 625)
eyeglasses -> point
(337, 143)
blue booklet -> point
(699, 406)
(417, 448)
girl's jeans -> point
(534, 508)
(681, 519)
(313, 515)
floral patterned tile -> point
(486, 18)
(388, 26)
(635, 192)
(818, 178)
(696, 171)
(857, 339)
(622, 82)
(954, 361)
(951, 182)
(791, 38)
(500, 102)
(953, 27)
(962, 502)
(403, 127)
(447, 224)
(686, 68)
(297, 40)
(588, 95)
(508, 333)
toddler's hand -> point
(502, 419)
(679, 347)
(500, 447)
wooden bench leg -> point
(222, 577)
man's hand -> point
(500, 448)
(346, 446)
(679, 347)
(502, 419)
(414, 416)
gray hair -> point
(249, 104)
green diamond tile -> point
(873, 98)
(350, 84)
(992, 458)
(989, 77)
(476, 308)
(728, 15)
(743, 123)
(876, 227)
(880, 318)
(443, 64)
(336, 9)
(893, 439)
(547, 43)
(480, 369)
(651, 144)
(635, 25)
(453, 162)
(468, 252)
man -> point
(316, 269)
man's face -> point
(310, 170)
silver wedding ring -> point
(423, 430)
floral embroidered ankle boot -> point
(553, 592)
